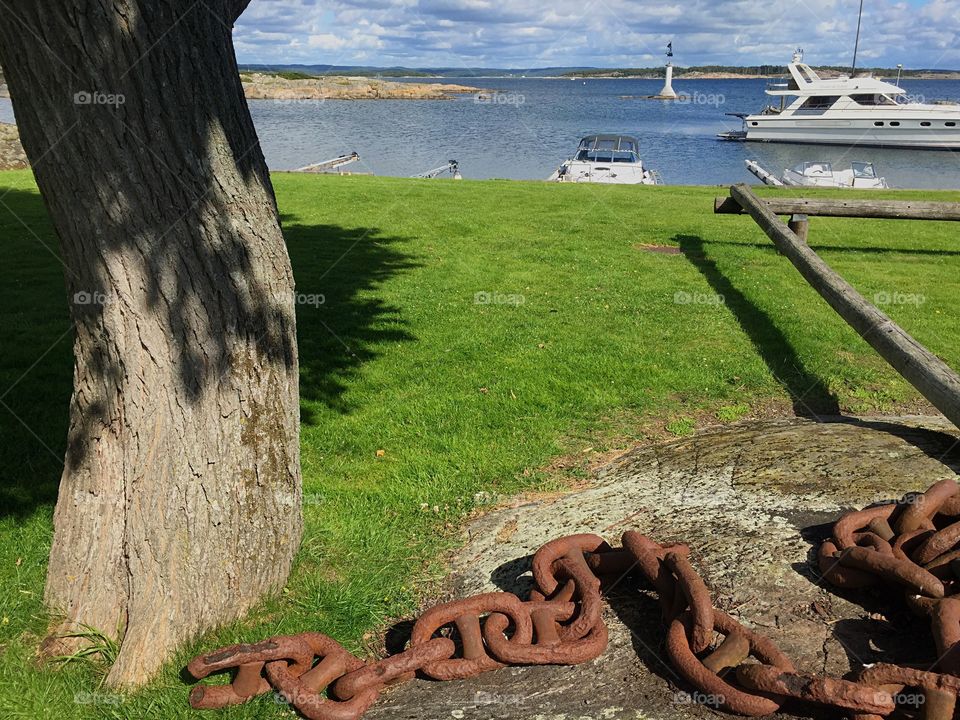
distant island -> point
(295, 85)
(726, 72)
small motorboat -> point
(606, 159)
(860, 176)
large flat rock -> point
(751, 500)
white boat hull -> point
(853, 132)
(603, 174)
(914, 129)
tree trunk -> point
(179, 505)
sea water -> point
(525, 128)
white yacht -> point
(606, 159)
(861, 110)
(860, 176)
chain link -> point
(911, 545)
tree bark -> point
(179, 505)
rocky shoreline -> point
(12, 156)
(261, 86)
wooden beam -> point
(921, 368)
(823, 207)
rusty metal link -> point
(945, 625)
(913, 544)
(306, 692)
(937, 544)
(821, 690)
(917, 514)
(395, 668)
(465, 615)
(846, 527)
(939, 691)
(249, 660)
(546, 556)
(548, 648)
(650, 561)
(893, 569)
(706, 679)
(694, 594)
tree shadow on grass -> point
(810, 395)
(341, 321)
(335, 336)
(36, 357)
(866, 249)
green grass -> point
(470, 333)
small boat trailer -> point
(452, 167)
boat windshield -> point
(607, 156)
(865, 171)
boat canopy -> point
(609, 142)
(609, 148)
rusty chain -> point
(913, 544)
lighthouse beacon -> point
(668, 93)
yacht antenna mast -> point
(856, 46)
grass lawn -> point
(470, 334)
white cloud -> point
(459, 33)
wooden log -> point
(921, 368)
(825, 207)
(800, 226)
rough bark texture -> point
(179, 505)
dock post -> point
(800, 224)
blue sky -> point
(603, 33)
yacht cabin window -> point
(873, 100)
(820, 102)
